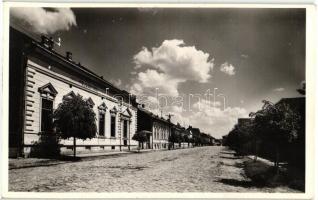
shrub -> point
(46, 147)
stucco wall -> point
(38, 76)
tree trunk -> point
(138, 146)
(255, 156)
(74, 147)
(277, 160)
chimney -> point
(47, 42)
(69, 55)
(43, 38)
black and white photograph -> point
(157, 99)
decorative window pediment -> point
(90, 102)
(102, 107)
(69, 96)
(127, 113)
(113, 111)
(48, 90)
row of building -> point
(40, 79)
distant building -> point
(160, 128)
(183, 134)
(195, 132)
(40, 79)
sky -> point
(206, 66)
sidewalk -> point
(40, 162)
(282, 165)
(263, 160)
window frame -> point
(113, 129)
(41, 114)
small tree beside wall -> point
(141, 137)
(74, 118)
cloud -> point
(116, 82)
(167, 66)
(227, 68)
(161, 70)
(44, 21)
(216, 121)
(279, 89)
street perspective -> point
(157, 100)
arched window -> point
(48, 94)
(113, 113)
(101, 119)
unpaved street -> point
(202, 169)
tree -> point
(175, 137)
(141, 137)
(276, 124)
(75, 118)
(186, 138)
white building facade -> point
(48, 79)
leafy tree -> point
(141, 137)
(186, 139)
(46, 147)
(175, 137)
(75, 118)
(239, 139)
(277, 125)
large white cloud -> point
(44, 21)
(168, 65)
(160, 70)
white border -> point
(310, 80)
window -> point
(46, 115)
(113, 126)
(125, 128)
(101, 116)
(101, 124)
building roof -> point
(39, 47)
(194, 130)
(150, 114)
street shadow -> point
(227, 152)
(237, 183)
(237, 165)
(226, 157)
